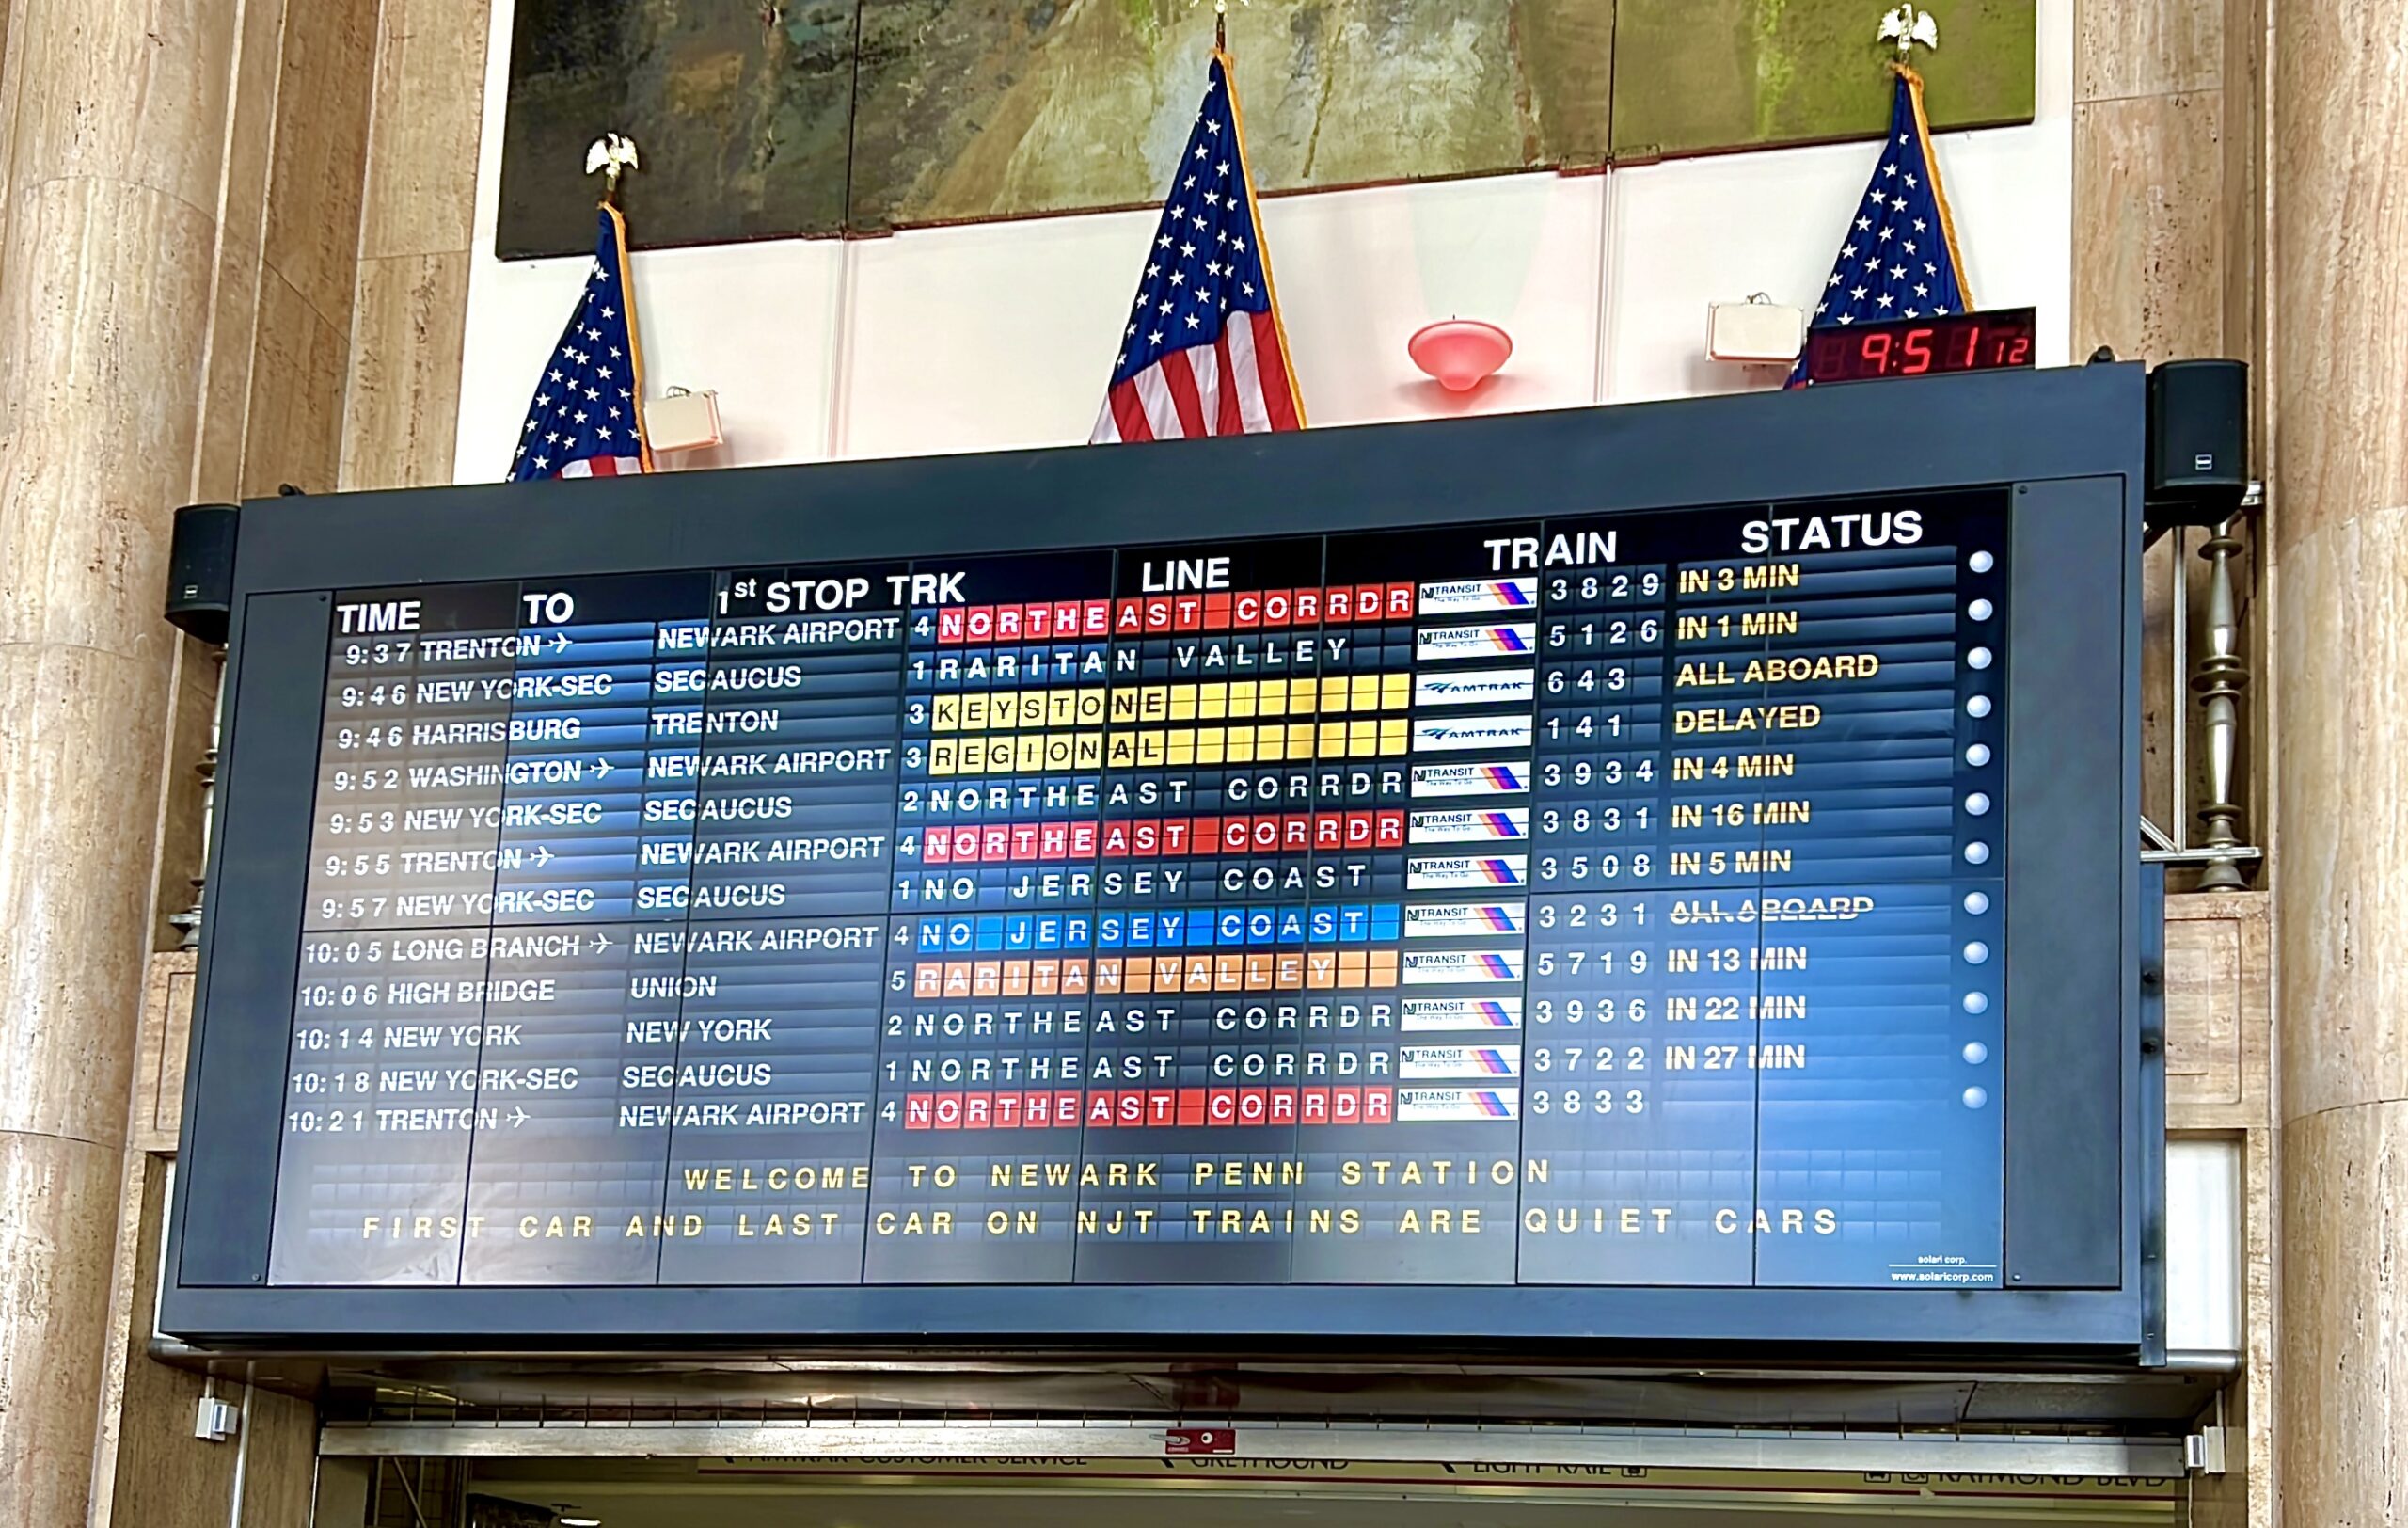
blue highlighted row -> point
(1162, 929)
(1366, 923)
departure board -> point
(1611, 899)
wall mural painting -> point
(742, 110)
(1697, 76)
(763, 118)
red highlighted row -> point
(1268, 832)
(1066, 620)
(1148, 1109)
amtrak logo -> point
(1445, 736)
(1476, 687)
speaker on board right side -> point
(2198, 441)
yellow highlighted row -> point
(1026, 753)
(1002, 710)
(1178, 746)
(1045, 752)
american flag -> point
(1203, 352)
(1899, 259)
(584, 420)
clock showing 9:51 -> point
(1920, 346)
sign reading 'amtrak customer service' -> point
(1608, 901)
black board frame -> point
(2085, 1092)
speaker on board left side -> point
(200, 570)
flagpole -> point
(614, 154)
(1220, 24)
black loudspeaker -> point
(2198, 441)
(200, 570)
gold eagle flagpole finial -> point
(1221, 23)
(614, 154)
(1909, 25)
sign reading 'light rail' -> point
(1607, 902)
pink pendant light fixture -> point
(1460, 352)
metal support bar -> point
(188, 921)
(2221, 678)
(1688, 1449)
(2180, 571)
(2242, 855)
(416, 1492)
(2220, 681)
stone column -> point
(114, 135)
(2339, 425)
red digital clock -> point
(1920, 346)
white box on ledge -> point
(1759, 331)
(683, 421)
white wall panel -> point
(1359, 271)
(2203, 1261)
(988, 336)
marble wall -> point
(287, 261)
(2339, 403)
(285, 267)
(115, 116)
(181, 193)
(400, 407)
